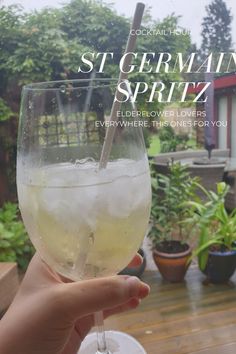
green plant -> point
(5, 111)
(170, 193)
(217, 227)
(15, 245)
(170, 141)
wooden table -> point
(183, 318)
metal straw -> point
(110, 132)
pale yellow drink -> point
(86, 223)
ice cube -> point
(119, 197)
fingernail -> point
(137, 288)
(144, 290)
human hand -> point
(51, 316)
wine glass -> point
(85, 222)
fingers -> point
(86, 297)
(136, 261)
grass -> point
(155, 146)
(192, 144)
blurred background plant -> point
(15, 245)
(171, 193)
(170, 141)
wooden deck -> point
(9, 283)
(183, 318)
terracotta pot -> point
(172, 266)
(220, 266)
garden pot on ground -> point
(172, 265)
(220, 266)
(137, 271)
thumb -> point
(86, 297)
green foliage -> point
(47, 45)
(216, 227)
(10, 34)
(216, 28)
(170, 141)
(159, 44)
(95, 24)
(169, 209)
(44, 52)
(40, 46)
(5, 111)
(15, 245)
(10, 37)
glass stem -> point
(101, 338)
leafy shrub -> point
(15, 245)
(5, 111)
(171, 193)
(170, 141)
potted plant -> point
(216, 249)
(169, 235)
